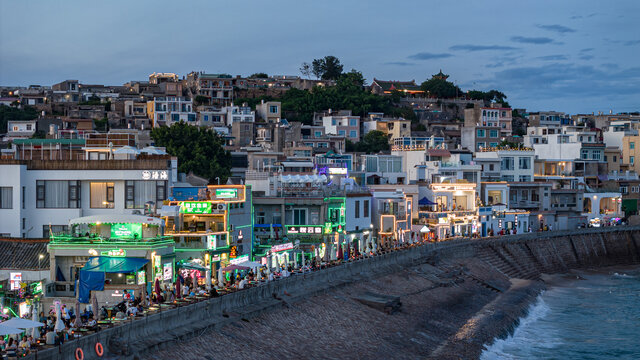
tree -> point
(259, 76)
(327, 68)
(440, 88)
(201, 99)
(199, 150)
(373, 142)
(305, 69)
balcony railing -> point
(67, 239)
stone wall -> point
(519, 256)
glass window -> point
(299, 216)
(631, 160)
(273, 109)
(6, 197)
(353, 134)
(357, 210)
(632, 145)
(507, 164)
(102, 195)
(525, 163)
(481, 145)
(138, 192)
(525, 178)
(341, 133)
(353, 122)
(54, 194)
(55, 229)
(493, 133)
(365, 209)
(480, 133)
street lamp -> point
(40, 257)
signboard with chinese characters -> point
(157, 263)
(126, 231)
(282, 247)
(142, 277)
(167, 271)
(195, 207)
(212, 242)
(226, 193)
(337, 171)
(14, 281)
(239, 259)
(114, 253)
(155, 175)
(305, 229)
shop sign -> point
(212, 241)
(233, 252)
(168, 271)
(36, 288)
(142, 277)
(328, 228)
(115, 253)
(282, 247)
(304, 229)
(14, 281)
(226, 193)
(126, 231)
(337, 171)
(215, 257)
(239, 259)
(155, 175)
(23, 309)
(195, 207)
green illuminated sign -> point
(226, 193)
(195, 207)
(126, 231)
(115, 253)
(36, 287)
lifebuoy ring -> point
(79, 354)
(99, 349)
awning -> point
(114, 264)
(117, 219)
(426, 202)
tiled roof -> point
(23, 254)
(397, 85)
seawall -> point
(476, 274)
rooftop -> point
(23, 254)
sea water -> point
(597, 317)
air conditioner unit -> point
(221, 206)
(288, 207)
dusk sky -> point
(572, 56)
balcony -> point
(65, 240)
(524, 204)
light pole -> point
(218, 179)
(40, 257)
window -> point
(206, 118)
(138, 192)
(525, 178)
(57, 194)
(365, 209)
(493, 145)
(357, 210)
(299, 216)
(631, 160)
(584, 154)
(175, 117)
(605, 158)
(341, 133)
(353, 134)
(6, 197)
(481, 145)
(624, 189)
(102, 195)
(507, 163)
(24, 196)
(632, 145)
(480, 133)
(508, 178)
(333, 122)
(55, 229)
(318, 133)
(524, 163)
(615, 159)
(493, 133)
(260, 217)
(273, 109)
(353, 122)
(490, 167)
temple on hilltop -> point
(382, 87)
(440, 75)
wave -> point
(623, 275)
(522, 336)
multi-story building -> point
(631, 152)
(45, 195)
(235, 113)
(550, 118)
(269, 111)
(164, 111)
(394, 128)
(453, 212)
(489, 118)
(347, 126)
(20, 129)
(218, 88)
(506, 164)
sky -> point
(572, 56)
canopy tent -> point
(117, 219)
(425, 229)
(234, 267)
(152, 150)
(250, 264)
(426, 202)
(190, 265)
(108, 264)
(127, 150)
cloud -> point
(631, 42)
(532, 40)
(586, 57)
(556, 28)
(471, 47)
(552, 57)
(428, 56)
(576, 17)
(610, 65)
(399, 63)
(586, 50)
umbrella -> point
(270, 231)
(94, 308)
(157, 289)
(78, 322)
(425, 229)
(356, 251)
(348, 252)
(235, 267)
(59, 324)
(340, 255)
(35, 333)
(220, 278)
(22, 323)
(178, 283)
(8, 330)
(208, 279)
(426, 202)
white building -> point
(236, 113)
(347, 126)
(36, 196)
(170, 109)
(515, 164)
(21, 128)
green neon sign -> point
(126, 231)
(115, 253)
(226, 193)
(195, 207)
